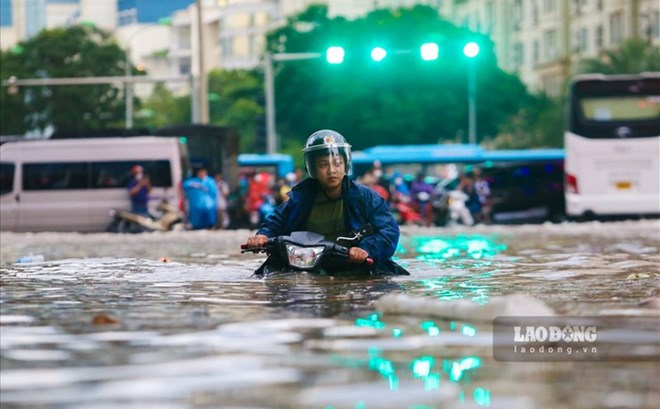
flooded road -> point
(174, 320)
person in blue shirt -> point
(202, 194)
(329, 203)
(139, 188)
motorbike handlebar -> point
(245, 249)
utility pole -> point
(203, 103)
(271, 138)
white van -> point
(71, 184)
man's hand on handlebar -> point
(357, 255)
(257, 241)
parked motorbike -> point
(125, 221)
(304, 251)
(403, 212)
(450, 208)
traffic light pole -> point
(271, 139)
(472, 101)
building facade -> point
(540, 40)
(543, 40)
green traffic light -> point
(471, 49)
(378, 54)
(429, 51)
(335, 55)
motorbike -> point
(305, 251)
(125, 221)
(450, 208)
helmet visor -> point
(336, 154)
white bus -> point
(71, 184)
(612, 145)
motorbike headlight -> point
(303, 257)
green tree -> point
(12, 108)
(399, 100)
(80, 51)
(163, 108)
(538, 124)
(235, 100)
(632, 57)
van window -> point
(6, 178)
(116, 174)
(55, 176)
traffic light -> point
(471, 49)
(335, 55)
(378, 54)
(429, 51)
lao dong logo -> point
(567, 334)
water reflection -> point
(198, 332)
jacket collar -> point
(310, 185)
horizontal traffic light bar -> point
(427, 51)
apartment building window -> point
(183, 39)
(599, 5)
(581, 41)
(616, 27)
(535, 51)
(654, 30)
(518, 54)
(598, 38)
(577, 6)
(517, 14)
(535, 11)
(550, 45)
(549, 6)
(227, 46)
(489, 16)
(184, 67)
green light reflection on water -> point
(422, 367)
(384, 367)
(469, 330)
(482, 396)
(371, 320)
(437, 248)
(431, 328)
(440, 288)
(457, 369)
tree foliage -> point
(632, 57)
(80, 51)
(163, 109)
(402, 99)
(236, 101)
(12, 108)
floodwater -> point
(174, 320)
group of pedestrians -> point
(206, 198)
(211, 204)
(414, 200)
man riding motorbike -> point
(330, 204)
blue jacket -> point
(202, 197)
(361, 205)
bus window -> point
(116, 174)
(6, 178)
(55, 176)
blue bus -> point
(278, 164)
(525, 184)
